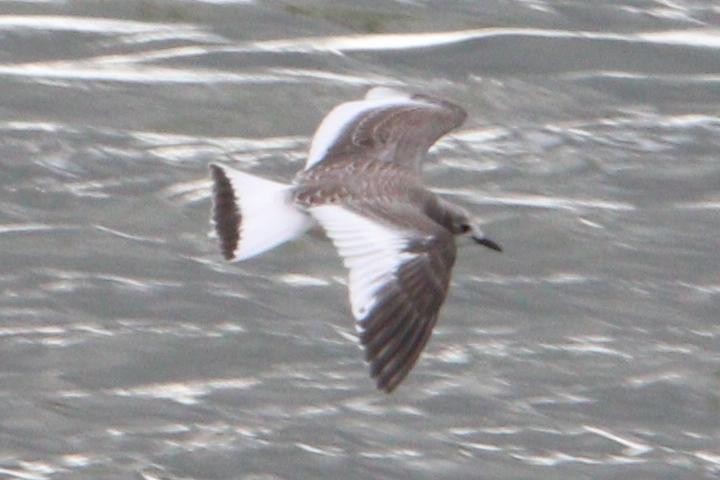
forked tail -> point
(251, 214)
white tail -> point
(251, 214)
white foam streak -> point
(135, 74)
(400, 41)
(186, 393)
(539, 201)
(705, 38)
(12, 473)
(81, 24)
(24, 227)
(633, 448)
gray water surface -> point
(130, 350)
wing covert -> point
(386, 125)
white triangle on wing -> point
(335, 123)
(371, 250)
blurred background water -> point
(129, 350)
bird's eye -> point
(464, 228)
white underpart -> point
(344, 114)
(372, 252)
(268, 215)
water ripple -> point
(25, 228)
(709, 38)
(104, 26)
(538, 201)
(186, 393)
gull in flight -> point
(362, 184)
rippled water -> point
(128, 349)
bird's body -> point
(362, 185)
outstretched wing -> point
(386, 125)
(400, 265)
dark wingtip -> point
(225, 214)
(386, 389)
(387, 384)
(486, 242)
